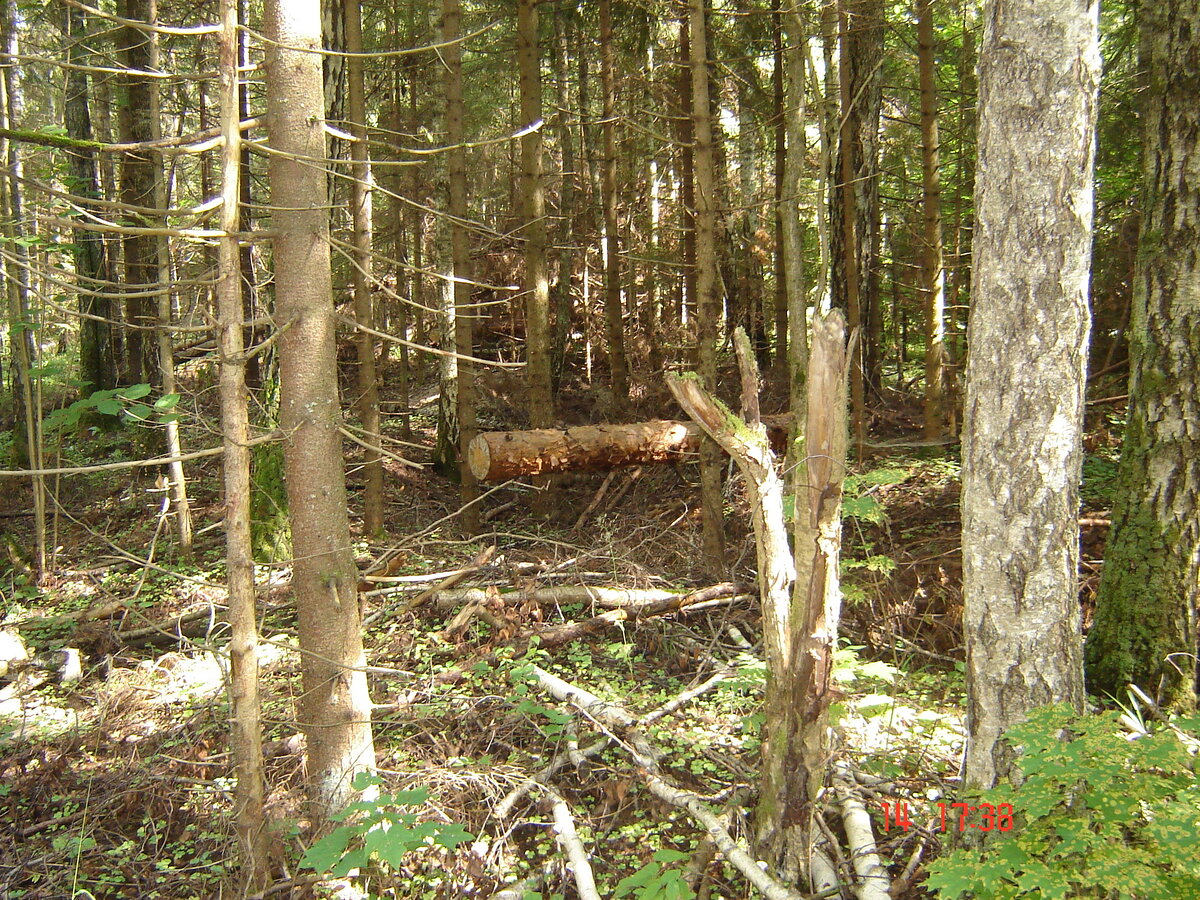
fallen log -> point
(499, 455)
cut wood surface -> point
(497, 455)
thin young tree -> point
(614, 315)
(362, 208)
(460, 256)
(708, 296)
(334, 708)
(932, 273)
(245, 723)
(1145, 620)
(1039, 71)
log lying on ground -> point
(498, 455)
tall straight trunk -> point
(460, 257)
(250, 306)
(97, 362)
(708, 313)
(568, 213)
(856, 205)
(932, 274)
(137, 189)
(1039, 71)
(613, 313)
(26, 406)
(781, 123)
(334, 708)
(537, 282)
(687, 174)
(796, 319)
(362, 211)
(162, 281)
(400, 251)
(245, 722)
(1146, 608)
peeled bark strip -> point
(498, 455)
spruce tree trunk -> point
(1145, 623)
(137, 189)
(708, 296)
(460, 258)
(97, 362)
(334, 708)
(932, 274)
(1039, 70)
(614, 317)
(245, 740)
(537, 283)
(362, 210)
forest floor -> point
(115, 780)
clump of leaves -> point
(1099, 815)
(384, 828)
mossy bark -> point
(1145, 624)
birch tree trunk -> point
(334, 708)
(1145, 625)
(1039, 70)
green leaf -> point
(109, 407)
(136, 391)
(166, 402)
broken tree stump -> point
(497, 455)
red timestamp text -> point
(951, 816)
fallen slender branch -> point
(874, 882)
(564, 826)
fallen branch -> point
(564, 826)
(616, 717)
(874, 882)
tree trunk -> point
(362, 209)
(614, 317)
(932, 274)
(1039, 70)
(97, 361)
(796, 318)
(1145, 624)
(687, 175)
(708, 298)
(537, 284)
(460, 257)
(27, 414)
(498, 455)
(567, 207)
(245, 740)
(137, 190)
(162, 285)
(335, 710)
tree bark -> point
(537, 283)
(708, 297)
(137, 189)
(1145, 622)
(96, 357)
(334, 709)
(932, 274)
(614, 316)
(498, 455)
(362, 209)
(460, 259)
(245, 725)
(1039, 70)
